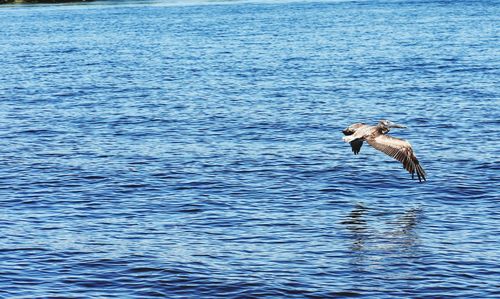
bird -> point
(398, 149)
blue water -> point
(193, 150)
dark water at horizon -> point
(194, 151)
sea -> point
(193, 149)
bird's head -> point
(389, 124)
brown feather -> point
(400, 150)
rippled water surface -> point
(193, 150)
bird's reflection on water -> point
(355, 222)
(375, 235)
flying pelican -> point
(397, 148)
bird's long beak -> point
(393, 125)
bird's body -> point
(399, 149)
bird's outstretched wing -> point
(400, 150)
